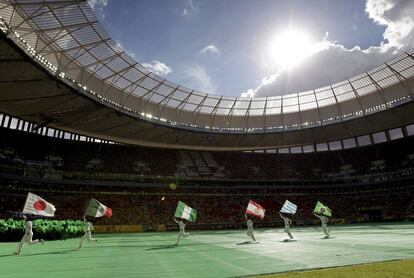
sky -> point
(245, 48)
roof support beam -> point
(196, 111)
(379, 88)
(180, 106)
(358, 98)
(213, 112)
(163, 103)
(403, 80)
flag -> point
(96, 209)
(185, 212)
(322, 209)
(255, 209)
(289, 207)
(38, 206)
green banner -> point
(322, 209)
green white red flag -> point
(97, 209)
(185, 212)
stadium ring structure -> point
(60, 69)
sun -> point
(290, 48)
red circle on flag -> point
(39, 205)
(108, 213)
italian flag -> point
(185, 212)
(255, 209)
(38, 206)
(322, 209)
(96, 209)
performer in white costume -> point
(324, 222)
(288, 222)
(249, 228)
(28, 236)
(88, 228)
(182, 232)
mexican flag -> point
(38, 206)
(255, 209)
(96, 209)
(185, 212)
(322, 209)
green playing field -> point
(209, 253)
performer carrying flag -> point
(87, 228)
(28, 236)
(288, 209)
(185, 212)
(323, 212)
(181, 233)
(94, 209)
(253, 209)
(249, 228)
(37, 206)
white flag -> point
(38, 206)
(255, 209)
(289, 207)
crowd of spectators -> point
(219, 207)
(373, 183)
(54, 158)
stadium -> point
(81, 119)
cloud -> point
(397, 16)
(130, 53)
(97, 3)
(158, 67)
(334, 62)
(98, 7)
(189, 8)
(198, 77)
(210, 49)
(155, 66)
(264, 82)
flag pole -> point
(27, 198)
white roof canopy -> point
(68, 35)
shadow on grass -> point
(40, 254)
(7, 255)
(161, 247)
(137, 246)
(288, 240)
(247, 242)
(169, 246)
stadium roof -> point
(66, 38)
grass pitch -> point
(391, 269)
(220, 254)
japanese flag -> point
(38, 206)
